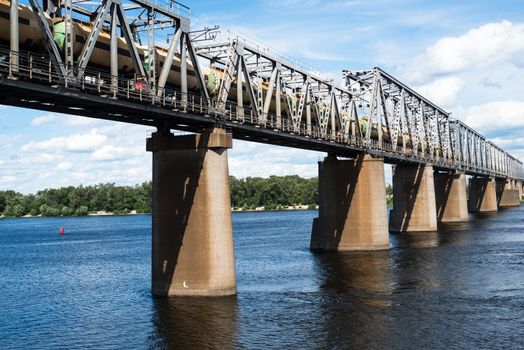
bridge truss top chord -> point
(117, 59)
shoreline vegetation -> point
(249, 194)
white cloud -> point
(111, 153)
(444, 91)
(64, 119)
(64, 166)
(7, 179)
(491, 116)
(255, 159)
(480, 47)
(74, 143)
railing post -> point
(31, 67)
(98, 84)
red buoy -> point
(62, 231)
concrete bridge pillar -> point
(192, 227)
(414, 206)
(451, 198)
(519, 187)
(507, 194)
(352, 213)
(482, 195)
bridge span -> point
(102, 61)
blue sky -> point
(467, 56)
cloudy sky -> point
(467, 56)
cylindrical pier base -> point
(352, 213)
(482, 195)
(507, 194)
(192, 249)
(451, 197)
(414, 207)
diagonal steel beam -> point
(87, 50)
(196, 67)
(54, 52)
(270, 88)
(128, 35)
(168, 62)
(249, 86)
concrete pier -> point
(482, 195)
(507, 194)
(451, 197)
(414, 205)
(192, 249)
(352, 213)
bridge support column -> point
(352, 196)
(192, 228)
(414, 206)
(482, 195)
(519, 187)
(507, 194)
(451, 198)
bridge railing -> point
(38, 69)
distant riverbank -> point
(249, 194)
(97, 213)
(134, 212)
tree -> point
(82, 211)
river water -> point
(459, 288)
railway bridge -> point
(105, 60)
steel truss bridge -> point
(276, 101)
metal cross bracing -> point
(415, 125)
(278, 92)
(139, 62)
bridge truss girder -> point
(279, 96)
(125, 22)
(298, 97)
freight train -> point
(31, 38)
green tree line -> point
(80, 200)
(272, 193)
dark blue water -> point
(460, 288)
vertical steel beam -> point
(308, 110)
(114, 50)
(14, 37)
(333, 115)
(278, 109)
(151, 49)
(69, 38)
(183, 72)
(240, 95)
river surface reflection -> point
(460, 287)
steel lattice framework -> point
(259, 95)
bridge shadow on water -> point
(195, 323)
